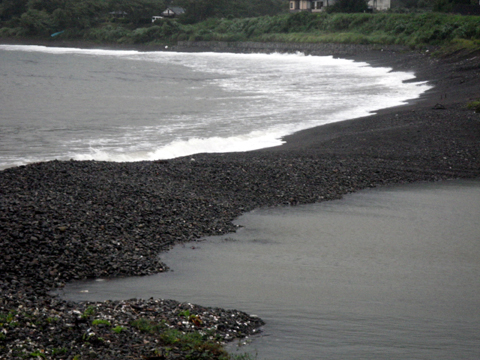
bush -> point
(474, 105)
(349, 6)
(109, 33)
(12, 32)
(37, 22)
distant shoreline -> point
(66, 220)
(455, 78)
(217, 47)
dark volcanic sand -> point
(73, 220)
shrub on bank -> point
(474, 105)
(109, 34)
(413, 30)
(404, 29)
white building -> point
(319, 5)
(379, 5)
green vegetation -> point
(76, 18)
(8, 320)
(59, 351)
(474, 105)
(148, 326)
(449, 5)
(97, 322)
(89, 311)
(195, 344)
(37, 354)
(415, 30)
(201, 10)
(118, 329)
(184, 313)
(349, 6)
(52, 319)
(7, 317)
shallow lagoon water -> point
(389, 273)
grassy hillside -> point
(413, 30)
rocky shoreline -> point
(67, 220)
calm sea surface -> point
(390, 273)
(60, 103)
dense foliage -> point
(98, 21)
(349, 6)
(437, 5)
(382, 28)
(199, 10)
(42, 17)
(449, 5)
(414, 30)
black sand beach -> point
(61, 221)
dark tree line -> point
(349, 6)
(356, 6)
(449, 5)
(41, 17)
(46, 17)
(199, 10)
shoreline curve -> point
(66, 220)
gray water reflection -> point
(388, 273)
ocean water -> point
(66, 103)
(383, 274)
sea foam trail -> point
(131, 105)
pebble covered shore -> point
(70, 220)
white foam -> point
(67, 50)
(263, 97)
(178, 148)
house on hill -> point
(118, 14)
(379, 5)
(320, 5)
(310, 5)
(173, 11)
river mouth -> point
(389, 273)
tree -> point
(137, 11)
(199, 10)
(448, 5)
(37, 22)
(49, 6)
(349, 6)
(83, 14)
(12, 8)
